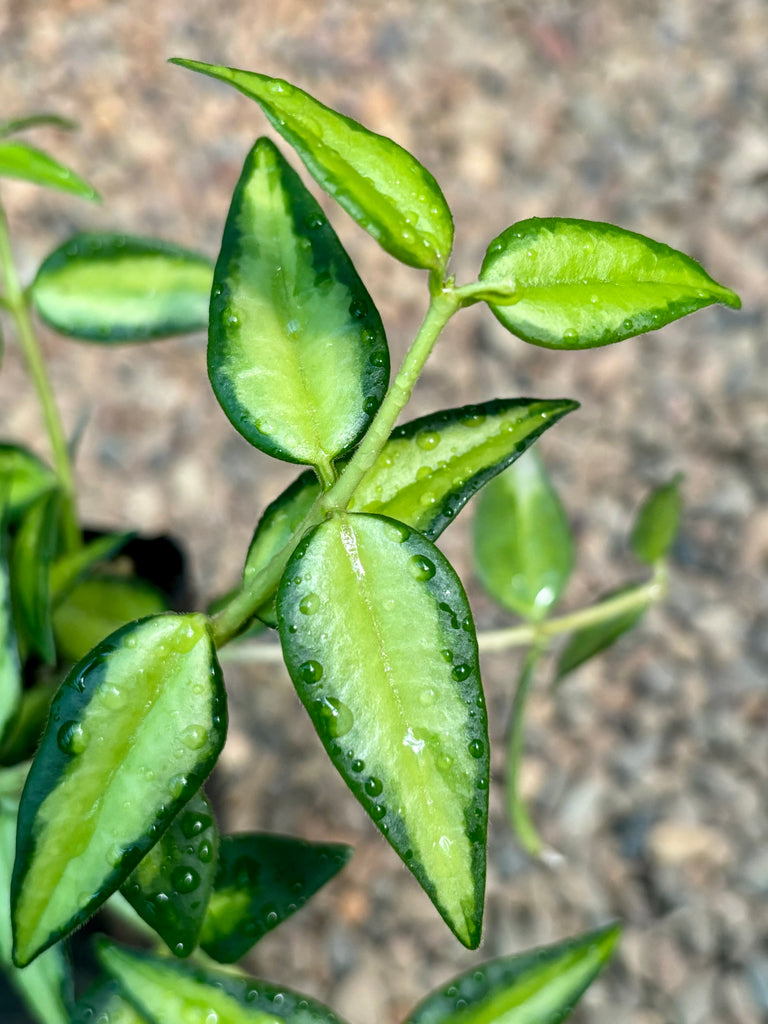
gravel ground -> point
(647, 773)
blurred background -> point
(648, 771)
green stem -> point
(257, 589)
(522, 823)
(493, 640)
(629, 600)
(17, 305)
(442, 307)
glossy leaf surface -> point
(657, 522)
(383, 187)
(584, 283)
(168, 991)
(103, 1004)
(170, 887)
(540, 986)
(18, 160)
(23, 479)
(69, 569)
(98, 606)
(32, 553)
(134, 730)
(427, 471)
(261, 880)
(522, 542)
(380, 644)
(585, 643)
(45, 985)
(117, 288)
(297, 355)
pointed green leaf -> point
(23, 479)
(43, 120)
(583, 283)
(432, 466)
(522, 541)
(540, 986)
(103, 1004)
(168, 992)
(45, 986)
(96, 607)
(427, 471)
(134, 730)
(297, 354)
(261, 880)
(276, 527)
(382, 186)
(32, 553)
(171, 886)
(657, 522)
(380, 644)
(69, 569)
(118, 288)
(588, 641)
(10, 669)
(18, 160)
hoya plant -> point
(113, 703)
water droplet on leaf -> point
(427, 440)
(336, 717)
(311, 672)
(310, 604)
(72, 738)
(421, 568)
(476, 748)
(194, 737)
(373, 786)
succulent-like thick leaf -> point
(380, 644)
(43, 120)
(382, 186)
(171, 886)
(32, 554)
(540, 986)
(69, 569)
(583, 283)
(297, 354)
(18, 160)
(119, 288)
(657, 522)
(103, 1004)
(167, 992)
(522, 541)
(585, 643)
(45, 986)
(23, 479)
(10, 669)
(98, 606)
(260, 881)
(427, 471)
(134, 730)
